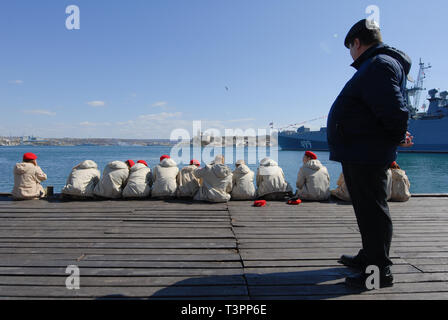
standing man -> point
(366, 124)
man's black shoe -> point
(359, 280)
(353, 262)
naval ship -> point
(429, 126)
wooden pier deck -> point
(182, 250)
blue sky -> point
(141, 68)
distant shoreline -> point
(77, 142)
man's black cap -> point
(363, 26)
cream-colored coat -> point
(389, 184)
(164, 179)
(313, 181)
(139, 181)
(216, 183)
(82, 180)
(243, 183)
(271, 179)
(27, 179)
(400, 186)
(113, 181)
(187, 183)
(341, 191)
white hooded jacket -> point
(187, 182)
(341, 191)
(216, 183)
(82, 180)
(164, 179)
(113, 181)
(271, 179)
(313, 181)
(400, 186)
(389, 184)
(138, 185)
(27, 179)
(243, 183)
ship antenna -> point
(417, 89)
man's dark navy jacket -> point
(369, 118)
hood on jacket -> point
(189, 168)
(168, 162)
(242, 169)
(88, 164)
(138, 166)
(116, 165)
(23, 167)
(382, 48)
(221, 170)
(313, 165)
(266, 162)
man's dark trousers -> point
(367, 186)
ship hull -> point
(430, 136)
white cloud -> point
(41, 112)
(94, 124)
(160, 116)
(242, 120)
(160, 104)
(16, 82)
(96, 103)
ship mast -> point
(417, 89)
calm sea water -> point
(428, 173)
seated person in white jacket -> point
(341, 192)
(164, 178)
(82, 180)
(243, 182)
(216, 181)
(27, 179)
(114, 179)
(400, 184)
(313, 180)
(187, 183)
(271, 181)
(139, 181)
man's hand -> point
(408, 142)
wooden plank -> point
(300, 263)
(120, 272)
(124, 264)
(312, 277)
(273, 270)
(87, 281)
(121, 292)
(341, 289)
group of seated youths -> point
(215, 182)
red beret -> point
(310, 154)
(295, 202)
(260, 203)
(29, 156)
(142, 162)
(131, 163)
(164, 157)
(195, 162)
